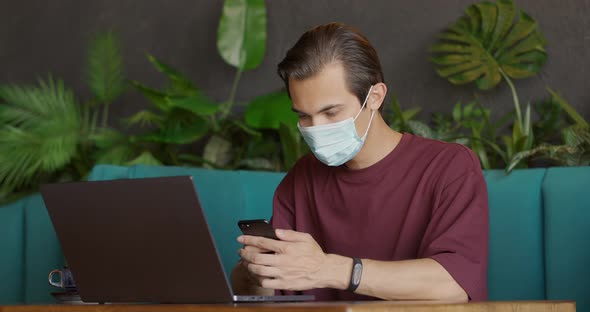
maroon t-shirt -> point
(426, 199)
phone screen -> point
(257, 228)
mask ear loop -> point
(369, 126)
(372, 113)
(364, 103)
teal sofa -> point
(539, 230)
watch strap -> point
(356, 274)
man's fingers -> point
(263, 270)
(293, 236)
(255, 249)
(261, 242)
(244, 263)
(258, 258)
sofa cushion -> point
(42, 251)
(515, 268)
(108, 172)
(259, 189)
(12, 253)
(566, 195)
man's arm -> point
(299, 264)
(422, 279)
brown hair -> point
(334, 42)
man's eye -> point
(301, 116)
(331, 113)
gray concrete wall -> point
(40, 36)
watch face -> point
(356, 273)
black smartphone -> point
(259, 227)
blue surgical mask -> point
(336, 143)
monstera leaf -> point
(491, 41)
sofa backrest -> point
(539, 229)
(29, 249)
(566, 202)
(516, 262)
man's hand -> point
(298, 262)
(253, 277)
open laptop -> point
(140, 240)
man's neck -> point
(380, 141)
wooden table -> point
(376, 306)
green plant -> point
(40, 132)
(468, 124)
(487, 45)
(550, 121)
(273, 112)
(181, 114)
(575, 150)
(47, 136)
(398, 119)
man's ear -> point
(377, 96)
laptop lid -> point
(137, 240)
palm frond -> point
(105, 73)
(39, 132)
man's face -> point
(324, 99)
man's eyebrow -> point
(323, 109)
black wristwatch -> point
(355, 276)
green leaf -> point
(527, 121)
(506, 11)
(115, 155)
(39, 131)
(508, 143)
(269, 111)
(517, 159)
(488, 14)
(421, 129)
(468, 110)
(571, 137)
(105, 72)
(197, 104)
(487, 40)
(181, 85)
(146, 158)
(144, 118)
(482, 154)
(113, 147)
(241, 36)
(496, 149)
(158, 98)
(457, 112)
(178, 132)
(573, 114)
(411, 113)
(240, 125)
(290, 142)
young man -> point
(372, 213)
